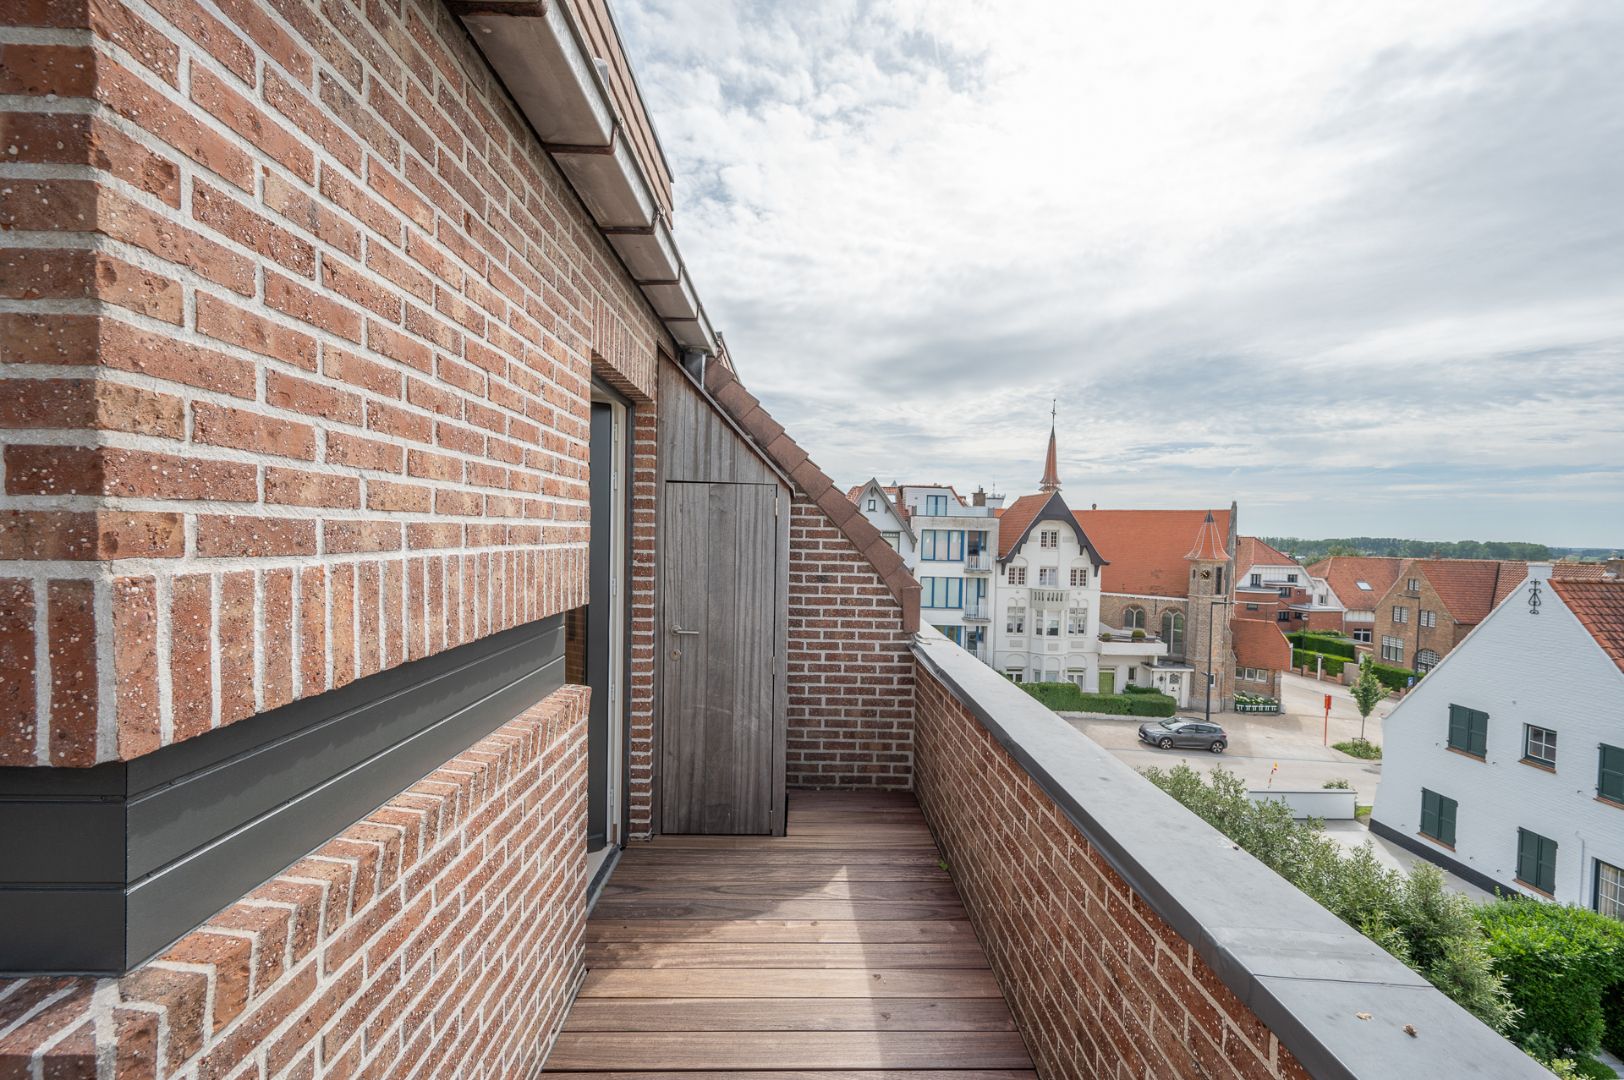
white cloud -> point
(1265, 251)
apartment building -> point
(1506, 764)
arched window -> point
(1426, 660)
(1133, 618)
(1173, 632)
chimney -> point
(978, 497)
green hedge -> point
(1324, 643)
(1394, 678)
(1560, 963)
(1068, 697)
(1612, 1039)
(1304, 659)
(1135, 688)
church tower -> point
(1211, 569)
(1051, 463)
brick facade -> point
(425, 940)
(1100, 985)
(298, 322)
(1412, 633)
(850, 672)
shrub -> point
(1411, 916)
(1612, 1039)
(1137, 635)
(1336, 785)
(1068, 697)
(1394, 678)
(1304, 659)
(1359, 748)
(1559, 962)
(1315, 641)
(1135, 688)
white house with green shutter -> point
(1506, 763)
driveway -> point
(1258, 743)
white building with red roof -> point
(1506, 763)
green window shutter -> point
(1527, 858)
(1479, 722)
(1446, 820)
(1547, 865)
(1536, 860)
(1429, 813)
(1610, 782)
(1457, 727)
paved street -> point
(1291, 739)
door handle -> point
(680, 630)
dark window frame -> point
(1529, 754)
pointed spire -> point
(1051, 464)
(1209, 546)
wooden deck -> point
(838, 952)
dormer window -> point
(873, 504)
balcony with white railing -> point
(980, 562)
(978, 610)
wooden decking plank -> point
(643, 873)
(790, 1049)
(832, 931)
(790, 1014)
(939, 891)
(787, 982)
(767, 908)
(676, 954)
(731, 860)
(819, 1074)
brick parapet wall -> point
(1100, 985)
(851, 676)
(435, 937)
(296, 326)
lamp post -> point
(1212, 607)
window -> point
(1282, 616)
(1468, 730)
(873, 504)
(1392, 649)
(1284, 591)
(1048, 624)
(1049, 538)
(1218, 580)
(1438, 817)
(1292, 578)
(1413, 585)
(1251, 607)
(941, 545)
(1133, 673)
(975, 541)
(1016, 621)
(1077, 620)
(1079, 577)
(1363, 585)
(1609, 890)
(1362, 634)
(1133, 618)
(1257, 579)
(1016, 674)
(1401, 614)
(1539, 745)
(1048, 577)
(894, 539)
(1429, 618)
(1173, 632)
(1610, 778)
(1017, 575)
(935, 505)
(1536, 861)
(1426, 660)
(955, 634)
(941, 592)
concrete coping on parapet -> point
(1334, 998)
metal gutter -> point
(541, 56)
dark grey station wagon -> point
(1185, 732)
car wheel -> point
(1218, 746)
(1165, 743)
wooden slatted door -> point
(721, 608)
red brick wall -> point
(300, 326)
(1100, 985)
(850, 672)
(640, 678)
(428, 939)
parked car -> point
(1184, 731)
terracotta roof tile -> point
(1251, 551)
(1579, 571)
(1015, 518)
(1599, 607)
(1470, 588)
(1344, 572)
(1210, 545)
(1146, 548)
(1260, 644)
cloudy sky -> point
(1357, 266)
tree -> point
(1366, 691)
